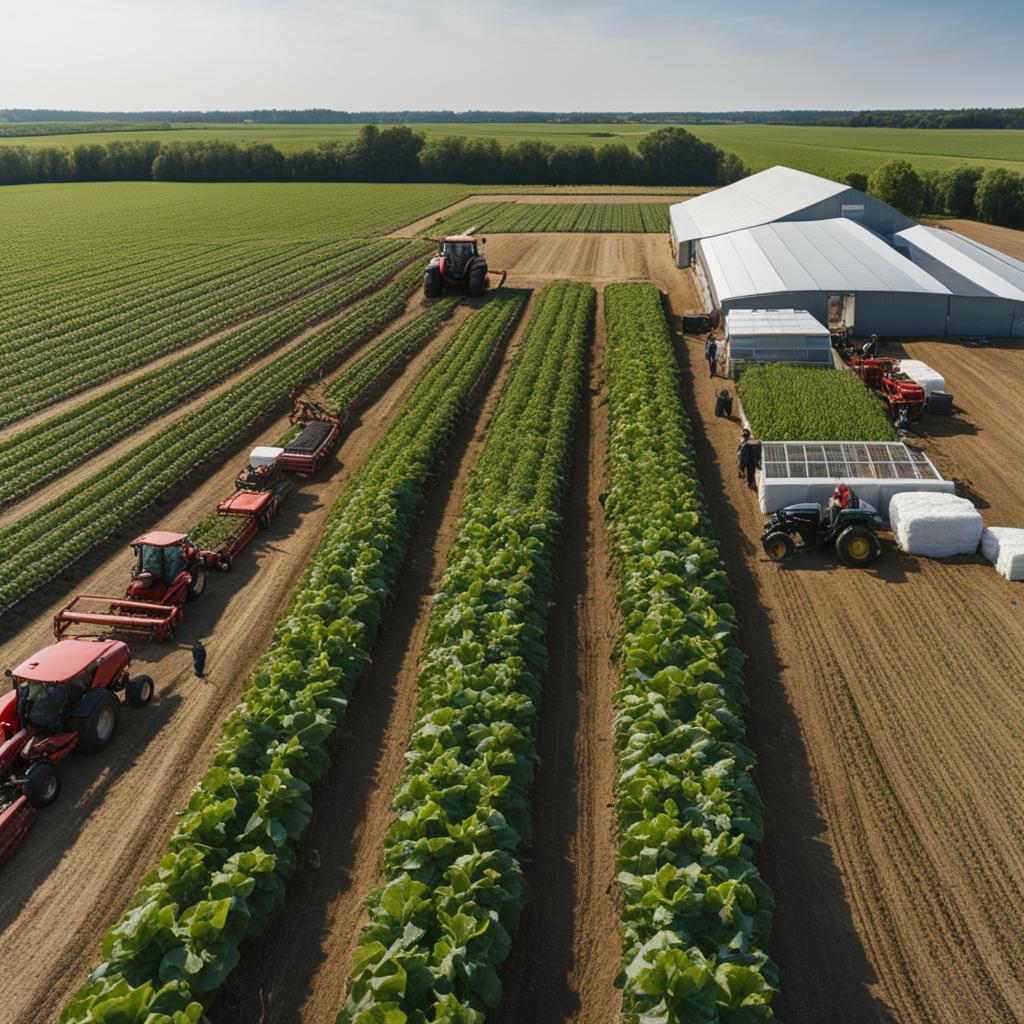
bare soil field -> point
(1007, 240)
(82, 860)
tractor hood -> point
(63, 660)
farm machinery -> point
(459, 264)
(896, 389)
(170, 569)
(65, 697)
(849, 530)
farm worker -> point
(842, 497)
(723, 403)
(711, 354)
(748, 457)
(903, 420)
(199, 659)
(871, 347)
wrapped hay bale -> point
(1004, 547)
(931, 380)
(934, 524)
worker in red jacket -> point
(842, 497)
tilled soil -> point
(298, 970)
(83, 858)
(1007, 240)
(885, 713)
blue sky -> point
(497, 54)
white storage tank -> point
(776, 336)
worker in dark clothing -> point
(711, 354)
(199, 659)
(748, 458)
(870, 349)
(723, 403)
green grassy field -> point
(827, 151)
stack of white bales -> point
(931, 380)
(935, 524)
(1004, 547)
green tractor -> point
(849, 530)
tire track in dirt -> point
(884, 713)
(565, 953)
(48, 492)
(298, 969)
(83, 858)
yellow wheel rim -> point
(860, 547)
(778, 549)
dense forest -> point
(981, 117)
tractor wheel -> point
(41, 784)
(476, 279)
(96, 731)
(778, 546)
(196, 585)
(857, 547)
(140, 691)
(431, 283)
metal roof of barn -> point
(836, 255)
(759, 199)
(964, 266)
(745, 322)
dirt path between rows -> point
(83, 858)
(80, 397)
(886, 711)
(298, 970)
(565, 953)
(541, 197)
(48, 492)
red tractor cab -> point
(459, 264)
(896, 389)
(169, 570)
(63, 698)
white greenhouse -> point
(797, 471)
(776, 336)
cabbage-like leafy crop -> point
(695, 911)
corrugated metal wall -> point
(864, 209)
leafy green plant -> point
(453, 887)
(234, 845)
(696, 913)
(501, 217)
(804, 403)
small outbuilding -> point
(776, 336)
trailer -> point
(321, 431)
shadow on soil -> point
(825, 974)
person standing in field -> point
(199, 659)
(711, 354)
(748, 457)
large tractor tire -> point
(431, 283)
(140, 691)
(97, 730)
(476, 279)
(196, 585)
(41, 784)
(778, 546)
(857, 547)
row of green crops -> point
(234, 845)
(388, 353)
(134, 330)
(442, 922)
(696, 913)
(40, 452)
(508, 217)
(803, 403)
(347, 390)
(40, 545)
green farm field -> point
(818, 150)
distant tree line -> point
(18, 130)
(668, 156)
(994, 195)
(979, 117)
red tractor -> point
(63, 698)
(459, 264)
(896, 389)
(169, 570)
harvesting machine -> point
(63, 698)
(459, 264)
(896, 389)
